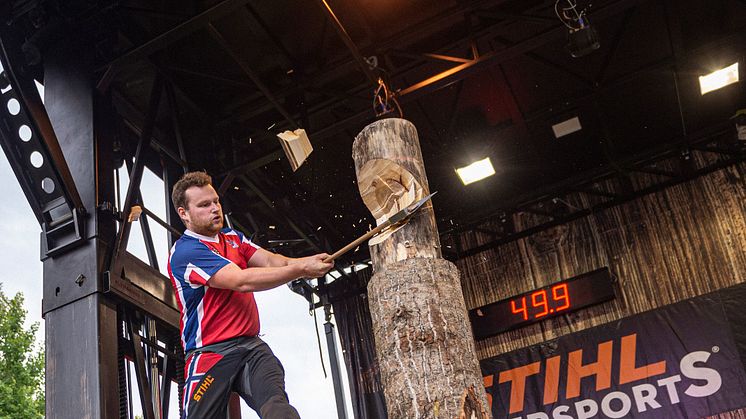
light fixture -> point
(582, 39)
(476, 171)
(718, 79)
(566, 127)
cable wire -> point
(318, 338)
(384, 101)
(565, 17)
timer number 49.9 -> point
(545, 301)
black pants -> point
(246, 366)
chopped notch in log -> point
(471, 408)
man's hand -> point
(314, 266)
(261, 278)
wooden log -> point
(425, 348)
(391, 175)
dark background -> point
(240, 72)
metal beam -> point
(267, 201)
(18, 85)
(201, 74)
(601, 206)
(440, 22)
(133, 188)
(511, 100)
(156, 13)
(651, 171)
(144, 225)
(272, 37)
(81, 323)
(458, 73)
(349, 43)
(517, 16)
(429, 56)
(140, 367)
(167, 38)
(162, 223)
(543, 61)
(334, 365)
(600, 175)
(590, 190)
(135, 120)
(408, 37)
(654, 67)
(173, 109)
(616, 40)
(250, 73)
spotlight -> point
(718, 79)
(582, 39)
(567, 127)
(476, 171)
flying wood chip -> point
(296, 145)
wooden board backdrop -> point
(668, 246)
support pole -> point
(334, 364)
(81, 376)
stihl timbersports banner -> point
(679, 361)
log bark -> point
(428, 363)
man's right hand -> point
(314, 266)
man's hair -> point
(178, 193)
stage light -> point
(718, 79)
(581, 37)
(476, 171)
(583, 41)
(566, 127)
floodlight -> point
(718, 79)
(582, 38)
(476, 171)
(566, 127)
(582, 41)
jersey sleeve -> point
(194, 263)
(247, 247)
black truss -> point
(728, 154)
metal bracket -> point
(62, 234)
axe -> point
(400, 217)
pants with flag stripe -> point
(252, 371)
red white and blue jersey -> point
(211, 315)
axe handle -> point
(357, 241)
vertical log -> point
(425, 348)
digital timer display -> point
(534, 306)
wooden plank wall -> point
(681, 242)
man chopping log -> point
(214, 272)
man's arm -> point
(264, 258)
(270, 270)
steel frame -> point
(128, 296)
(437, 81)
(110, 318)
(716, 141)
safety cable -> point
(566, 17)
(384, 101)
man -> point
(214, 272)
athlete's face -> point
(203, 214)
